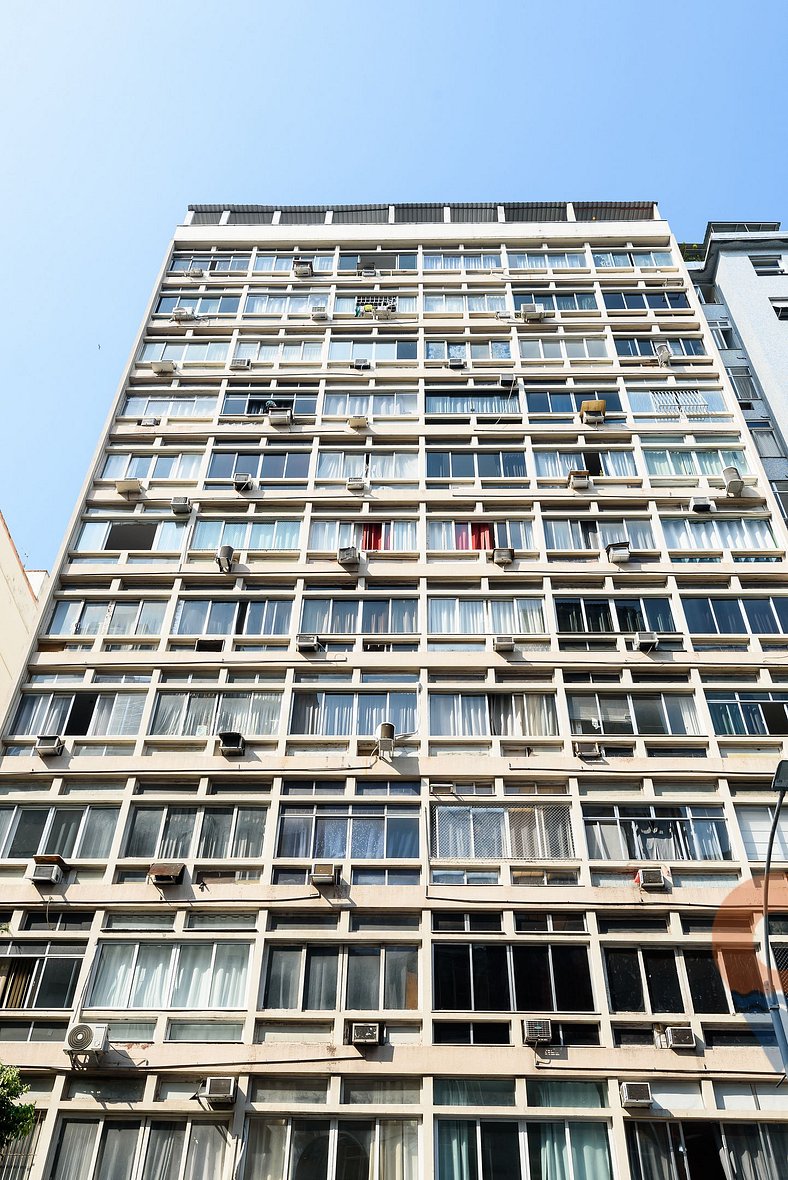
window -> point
(181, 465)
(168, 832)
(244, 534)
(780, 309)
(646, 259)
(723, 334)
(593, 714)
(596, 534)
(219, 616)
(635, 346)
(456, 304)
(481, 534)
(153, 975)
(302, 400)
(78, 833)
(626, 615)
(373, 536)
(487, 977)
(767, 443)
(767, 264)
(696, 1150)
(569, 401)
(684, 534)
(634, 974)
(273, 351)
(733, 616)
(558, 301)
(342, 714)
(666, 463)
(555, 260)
(219, 263)
(371, 465)
(284, 262)
(89, 1149)
(557, 348)
(453, 465)
(273, 463)
(669, 404)
(373, 350)
(365, 306)
(84, 713)
(477, 350)
(645, 300)
(136, 533)
(748, 713)
(541, 832)
(492, 715)
(157, 406)
(459, 261)
(755, 824)
(556, 465)
(656, 833)
(198, 714)
(331, 1149)
(39, 975)
(199, 305)
(485, 616)
(375, 978)
(352, 616)
(743, 383)
(380, 404)
(363, 831)
(470, 1149)
(259, 303)
(207, 352)
(479, 400)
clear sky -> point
(115, 116)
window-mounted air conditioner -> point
(592, 413)
(651, 879)
(503, 643)
(578, 480)
(360, 363)
(320, 313)
(166, 873)
(225, 556)
(195, 272)
(701, 504)
(356, 483)
(47, 870)
(366, 1033)
(734, 484)
(503, 315)
(645, 641)
(181, 506)
(325, 875)
(128, 487)
(664, 355)
(180, 315)
(635, 1094)
(49, 745)
(349, 555)
(456, 362)
(537, 1032)
(280, 416)
(218, 1091)
(302, 268)
(618, 552)
(148, 421)
(534, 312)
(308, 643)
(163, 368)
(679, 1037)
(385, 311)
(385, 737)
(241, 362)
(358, 422)
(231, 743)
(87, 1038)
(243, 481)
(588, 751)
(503, 556)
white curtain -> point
(548, 1153)
(75, 1150)
(330, 465)
(284, 969)
(228, 980)
(165, 1149)
(321, 978)
(265, 1150)
(116, 1154)
(167, 714)
(151, 976)
(399, 1149)
(452, 832)
(193, 977)
(113, 976)
(590, 1152)
(618, 463)
(206, 1152)
(456, 1150)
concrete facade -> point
(475, 473)
(19, 590)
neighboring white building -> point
(741, 276)
(19, 591)
(402, 716)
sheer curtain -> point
(116, 1153)
(399, 1149)
(547, 1152)
(590, 1151)
(618, 463)
(193, 979)
(265, 1150)
(206, 1151)
(113, 976)
(649, 1151)
(456, 1150)
(151, 976)
(167, 714)
(75, 1150)
(165, 1149)
(284, 968)
(321, 978)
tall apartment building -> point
(740, 273)
(19, 603)
(402, 719)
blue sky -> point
(116, 116)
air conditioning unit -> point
(166, 873)
(356, 483)
(128, 487)
(533, 312)
(302, 269)
(87, 1038)
(148, 421)
(358, 422)
(592, 413)
(503, 643)
(578, 480)
(664, 355)
(231, 744)
(241, 362)
(701, 504)
(679, 1037)
(320, 313)
(49, 745)
(440, 788)
(194, 272)
(181, 506)
(218, 1091)
(651, 879)
(280, 416)
(349, 555)
(385, 311)
(365, 1033)
(537, 1032)
(618, 552)
(645, 641)
(182, 314)
(386, 737)
(635, 1094)
(47, 870)
(734, 484)
(361, 363)
(325, 875)
(503, 556)
(242, 481)
(588, 751)
(225, 556)
(162, 368)
(456, 362)
(308, 643)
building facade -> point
(740, 273)
(400, 727)
(19, 604)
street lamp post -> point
(779, 784)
